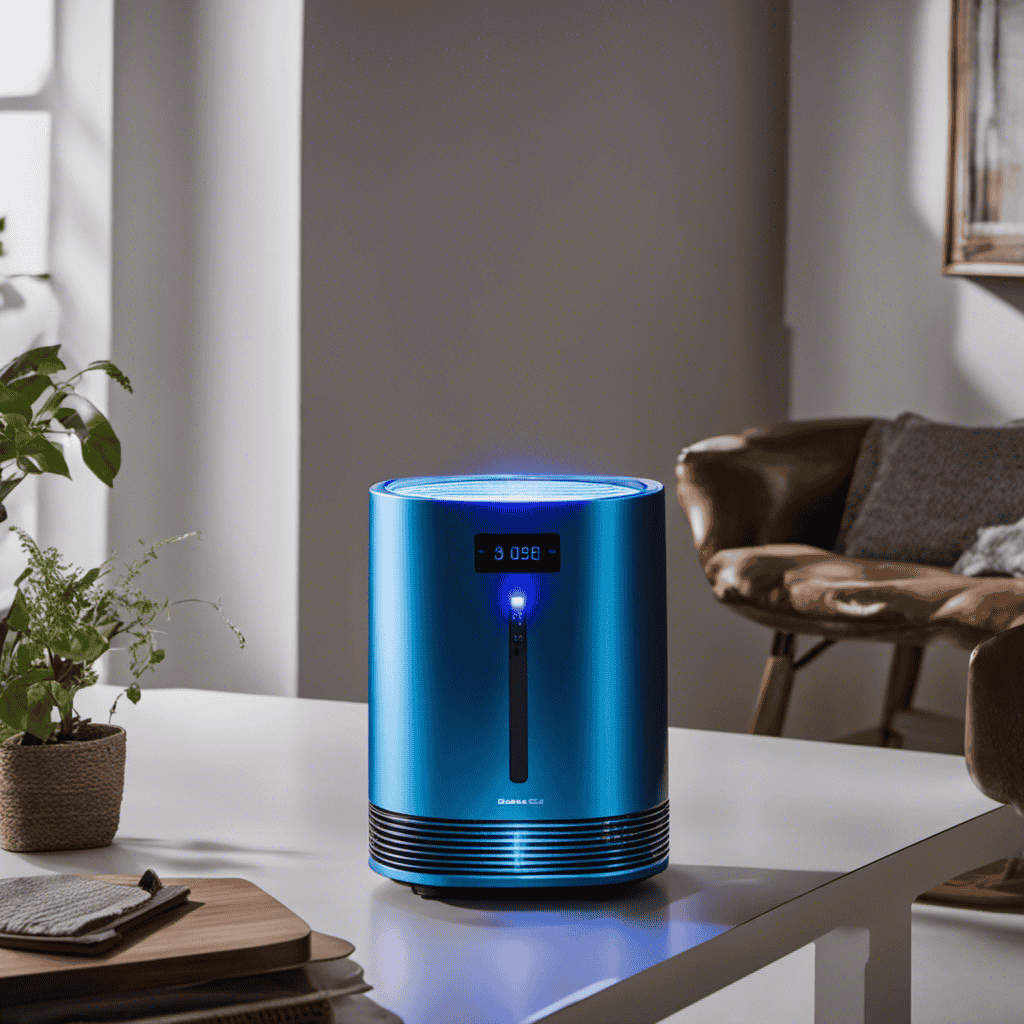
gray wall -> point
(536, 236)
(205, 322)
(876, 328)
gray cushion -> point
(877, 442)
(935, 487)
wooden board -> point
(227, 927)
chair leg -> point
(776, 686)
(904, 671)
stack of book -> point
(209, 950)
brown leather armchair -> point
(765, 507)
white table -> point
(775, 844)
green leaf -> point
(14, 704)
(13, 401)
(22, 660)
(39, 687)
(38, 721)
(17, 617)
(16, 432)
(134, 693)
(30, 388)
(8, 485)
(83, 644)
(64, 699)
(25, 704)
(35, 360)
(84, 583)
(101, 450)
(15, 424)
(47, 456)
(50, 406)
(3, 223)
(112, 372)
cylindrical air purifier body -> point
(517, 680)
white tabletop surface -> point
(274, 790)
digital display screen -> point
(517, 552)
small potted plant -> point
(61, 781)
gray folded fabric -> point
(63, 904)
(999, 550)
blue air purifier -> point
(517, 681)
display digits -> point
(510, 552)
(522, 553)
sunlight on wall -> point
(25, 190)
(26, 66)
(928, 130)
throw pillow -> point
(937, 485)
(877, 442)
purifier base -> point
(518, 853)
(455, 882)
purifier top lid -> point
(502, 489)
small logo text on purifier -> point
(531, 800)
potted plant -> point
(61, 781)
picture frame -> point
(985, 179)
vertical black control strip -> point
(517, 764)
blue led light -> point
(504, 489)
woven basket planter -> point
(62, 796)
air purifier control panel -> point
(517, 552)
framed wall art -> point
(985, 183)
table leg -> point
(862, 974)
(887, 974)
(839, 959)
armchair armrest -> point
(995, 717)
(784, 484)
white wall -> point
(73, 513)
(536, 236)
(206, 234)
(876, 328)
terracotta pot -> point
(62, 796)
